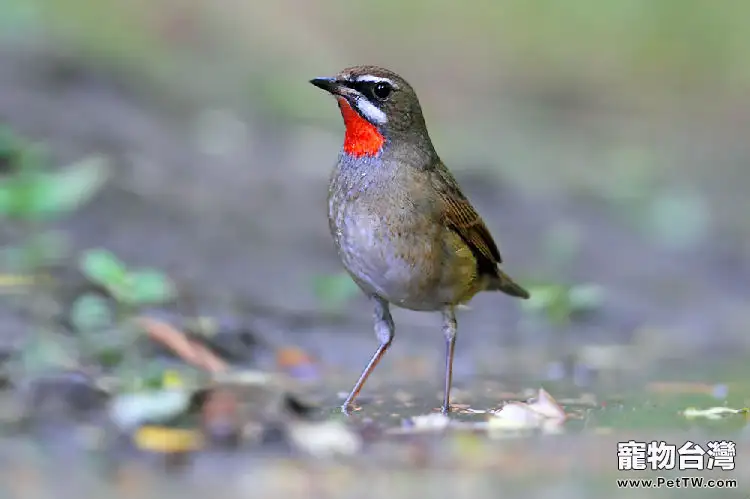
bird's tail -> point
(504, 283)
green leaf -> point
(6, 198)
(550, 300)
(111, 345)
(16, 195)
(103, 267)
(122, 290)
(64, 191)
(18, 191)
(11, 145)
(162, 374)
(559, 311)
(334, 290)
(542, 296)
(46, 352)
(91, 312)
(148, 286)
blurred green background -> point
(604, 143)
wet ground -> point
(248, 257)
(399, 458)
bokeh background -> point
(604, 143)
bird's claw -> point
(346, 409)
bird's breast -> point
(395, 247)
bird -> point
(403, 229)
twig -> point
(188, 350)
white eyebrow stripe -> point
(372, 113)
(374, 79)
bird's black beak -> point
(331, 85)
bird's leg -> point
(449, 330)
(384, 330)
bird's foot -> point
(445, 410)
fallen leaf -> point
(287, 357)
(543, 413)
(547, 406)
(244, 377)
(167, 440)
(712, 412)
(680, 387)
(515, 416)
(297, 363)
(326, 439)
(188, 350)
(130, 410)
(220, 415)
(16, 281)
(43, 354)
(430, 422)
(469, 410)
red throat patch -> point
(362, 137)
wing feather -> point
(460, 216)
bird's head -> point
(378, 106)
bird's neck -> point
(362, 138)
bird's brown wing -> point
(460, 216)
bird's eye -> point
(382, 90)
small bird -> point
(403, 229)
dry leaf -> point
(711, 413)
(515, 416)
(547, 406)
(297, 362)
(469, 410)
(324, 439)
(167, 440)
(680, 387)
(220, 415)
(16, 281)
(544, 413)
(246, 377)
(430, 422)
(129, 410)
(188, 350)
(425, 423)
